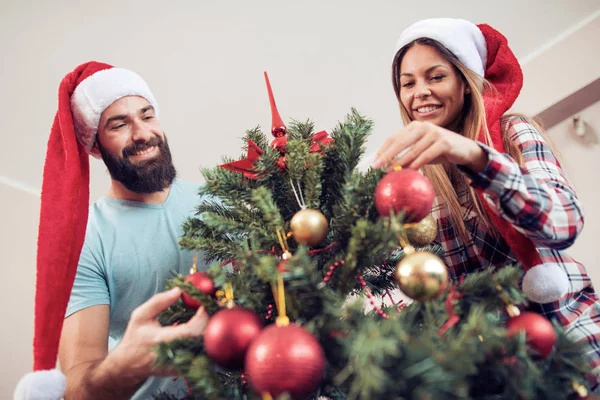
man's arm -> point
(83, 358)
(93, 373)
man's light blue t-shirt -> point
(129, 252)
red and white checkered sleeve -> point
(535, 198)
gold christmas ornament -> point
(309, 227)
(422, 276)
(423, 232)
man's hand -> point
(134, 356)
(94, 374)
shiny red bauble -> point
(539, 332)
(406, 191)
(286, 359)
(203, 283)
(228, 335)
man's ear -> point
(95, 151)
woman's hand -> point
(422, 143)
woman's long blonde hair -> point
(473, 122)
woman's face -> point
(431, 89)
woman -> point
(502, 197)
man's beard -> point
(147, 176)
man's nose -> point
(140, 132)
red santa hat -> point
(485, 51)
(83, 95)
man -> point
(113, 280)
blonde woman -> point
(502, 197)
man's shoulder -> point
(185, 191)
(184, 198)
(186, 186)
(101, 218)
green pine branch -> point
(405, 356)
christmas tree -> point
(300, 241)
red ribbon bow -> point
(453, 318)
(278, 129)
(246, 165)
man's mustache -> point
(139, 146)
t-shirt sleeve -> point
(90, 287)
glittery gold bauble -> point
(309, 227)
(422, 276)
(423, 232)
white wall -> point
(18, 237)
(569, 63)
(582, 165)
(204, 61)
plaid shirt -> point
(539, 202)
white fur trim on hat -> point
(97, 92)
(41, 385)
(463, 38)
(545, 283)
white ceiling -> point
(204, 61)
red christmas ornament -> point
(404, 190)
(285, 359)
(278, 128)
(539, 332)
(203, 283)
(228, 335)
(279, 144)
(285, 258)
(282, 266)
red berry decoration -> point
(285, 258)
(282, 266)
(539, 332)
(203, 283)
(406, 190)
(228, 335)
(285, 359)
